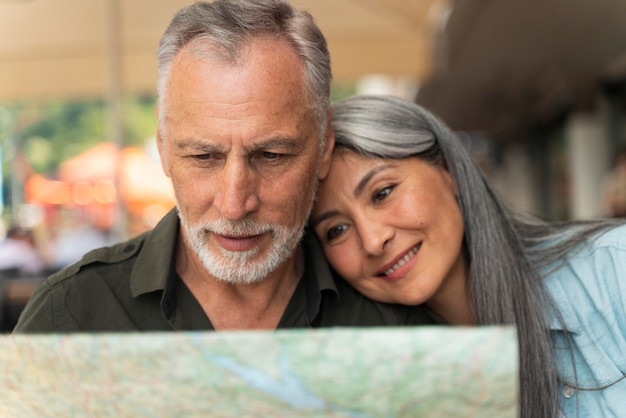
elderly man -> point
(244, 134)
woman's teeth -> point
(402, 261)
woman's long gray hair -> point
(504, 265)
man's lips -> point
(399, 262)
(238, 243)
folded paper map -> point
(333, 372)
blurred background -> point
(537, 90)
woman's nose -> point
(375, 236)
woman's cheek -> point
(342, 261)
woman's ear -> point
(448, 175)
(444, 163)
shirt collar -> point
(318, 275)
(154, 268)
(155, 262)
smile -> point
(402, 261)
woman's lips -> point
(232, 243)
(399, 267)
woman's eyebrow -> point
(367, 177)
(358, 190)
(326, 215)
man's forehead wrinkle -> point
(244, 107)
(248, 146)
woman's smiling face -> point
(392, 228)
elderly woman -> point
(406, 216)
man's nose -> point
(238, 192)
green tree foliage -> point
(51, 132)
(341, 90)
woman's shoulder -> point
(607, 239)
(612, 237)
(602, 258)
(589, 292)
(591, 283)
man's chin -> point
(244, 269)
(252, 265)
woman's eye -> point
(335, 232)
(382, 194)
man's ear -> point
(329, 141)
(161, 145)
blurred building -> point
(545, 83)
(539, 87)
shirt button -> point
(568, 391)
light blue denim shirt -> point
(590, 293)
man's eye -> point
(269, 155)
(204, 157)
(335, 232)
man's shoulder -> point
(102, 259)
(98, 293)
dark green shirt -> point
(133, 286)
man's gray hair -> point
(227, 26)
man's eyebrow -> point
(196, 145)
(367, 177)
(279, 142)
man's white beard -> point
(241, 267)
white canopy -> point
(70, 48)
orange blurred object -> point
(95, 178)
